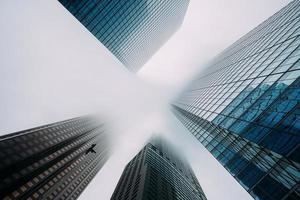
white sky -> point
(209, 27)
(52, 68)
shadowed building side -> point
(54, 161)
(245, 107)
(158, 172)
(132, 30)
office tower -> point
(158, 172)
(245, 107)
(54, 161)
(132, 30)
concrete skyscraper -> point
(158, 172)
(132, 30)
(245, 107)
(55, 161)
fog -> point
(209, 27)
(52, 68)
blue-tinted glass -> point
(255, 133)
(132, 30)
(236, 164)
(271, 188)
(292, 122)
(250, 94)
(250, 175)
(226, 156)
(281, 143)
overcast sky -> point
(209, 27)
(52, 68)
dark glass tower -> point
(133, 30)
(54, 161)
(245, 107)
(157, 172)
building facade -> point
(157, 172)
(245, 107)
(132, 30)
(54, 161)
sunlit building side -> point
(245, 107)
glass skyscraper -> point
(55, 161)
(245, 107)
(132, 30)
(158, 172)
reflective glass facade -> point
(132, 30)
(245, 107)
(157, 172)
(50, 162)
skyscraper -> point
(54, 161)
(245, 107)
(158, 172)
(132, 30)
